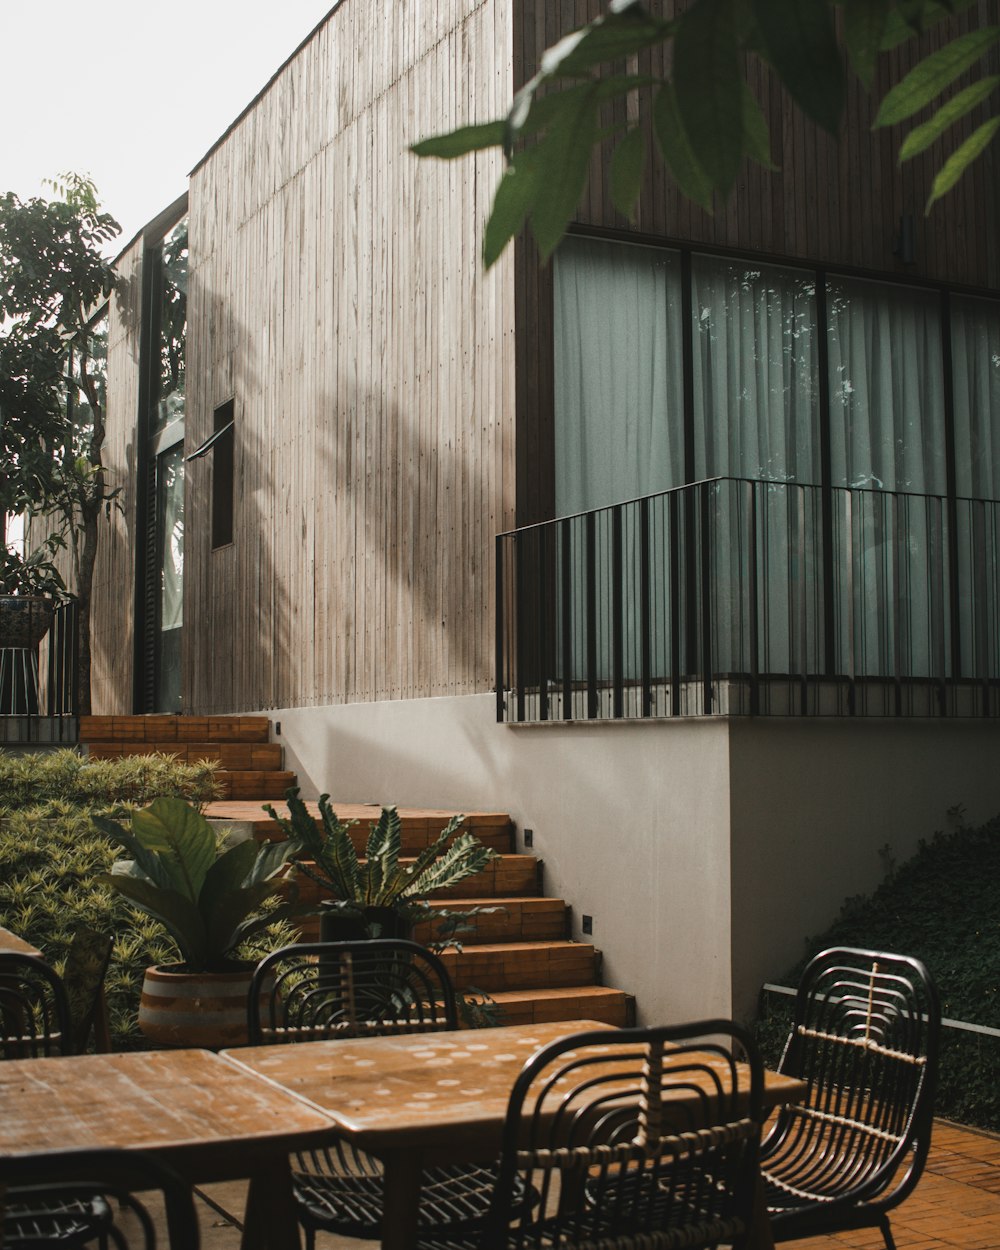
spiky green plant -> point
(327, 855)
(67, 777)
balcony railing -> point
(38, 680)
(740, 597)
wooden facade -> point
(393, 403)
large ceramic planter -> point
(207, 1009)
(24, 620)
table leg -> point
(270, 1221)
(761, 1234)
(401, 1201)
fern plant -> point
(379, 879)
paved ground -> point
(956, 1205)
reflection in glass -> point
(170, 547)
(172, 310)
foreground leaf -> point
(512, 203)
(707, 84)
(864, 28)
(946, 116)
(461, 141)
(677, 151)
(626, 171)
(961, 159)
(800, 41)
(929, 78)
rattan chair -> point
(324, 990)
(865, 1038)
(103, 1183)
(34, 1009)
(656, 1147)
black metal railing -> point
(38, 675)
(735, 596)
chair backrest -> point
(632, 1134)
(86, 967)
(34, 1009)
(865, 1038)
(38, 1190)
(318, 990)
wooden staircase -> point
(519, 952)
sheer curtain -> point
(756, 415)
(886, 435)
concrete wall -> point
(632, 821)
(705, 850)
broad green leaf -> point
(182, 839)
(961, 159)
(565, 155)
(626, 171)
(226, 876)
(864, 28)
(707, 85)
(930, 76)
(461, 141)
(179, 915)
(923, 136)
(223, 922)
(756, 136)
(898, 29)
(800, 41)
(513, 201)
(673, 143)
(611, 37)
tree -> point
(53, 276)
(704, 118)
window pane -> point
(975, 346)
(886, 387)
(618, 377)
(172, 326)
(755, 371)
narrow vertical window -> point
(223, 442)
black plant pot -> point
(338, 924)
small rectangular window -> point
(222, 475)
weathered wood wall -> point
(337, 297)
(114, 574)
(832, 201)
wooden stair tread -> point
(578, 1002)
(167, 728)
(522, 965)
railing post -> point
(753, 595)
(645, 667)
(567, 617)
(617, 614)
(591, 559)
(674, 513)
(706, 601)
(500, 609)
(541, 533)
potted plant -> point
(30, 586)
(211, 898)
(377, 896)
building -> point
(716, 704)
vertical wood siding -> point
(337, 296)
(114, 573)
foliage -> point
(704, 119)
(34, 573)
(210, 897)
(53, 276)
(380, 879)
(941, 906)
(107, 786)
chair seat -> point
(351, 1202)
(51, 1220)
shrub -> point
(43, 777)
(942, 906)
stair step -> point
(418, 828)
(579, 1002)
(164, 728)
(238, 756)
(256, 783)
(507, 920)
(522, 965)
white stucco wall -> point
(705, 850)
(632, 821)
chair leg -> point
(883, 1224)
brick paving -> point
(956, 1204)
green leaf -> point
(959, 161)
(626, 171)
(864, 28)
(178, 915)
(904, 24)
(676, 149)
(565, 155)
(613, 36)
(930, 76)
(461, 141)
(923, 136)
(513, 201)
(181, 838)
(226, 876)
(756, 136)
(707, 83)
(800, 41)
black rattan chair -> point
(865, 1038)
(102, 1183)
(34, 1009)
(655, 1145)
(324, 990)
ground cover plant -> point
(52, 857)
(942, 906)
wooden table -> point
(423, 1100)
(209, 1119)
(11, 942)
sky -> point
(131, 92)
